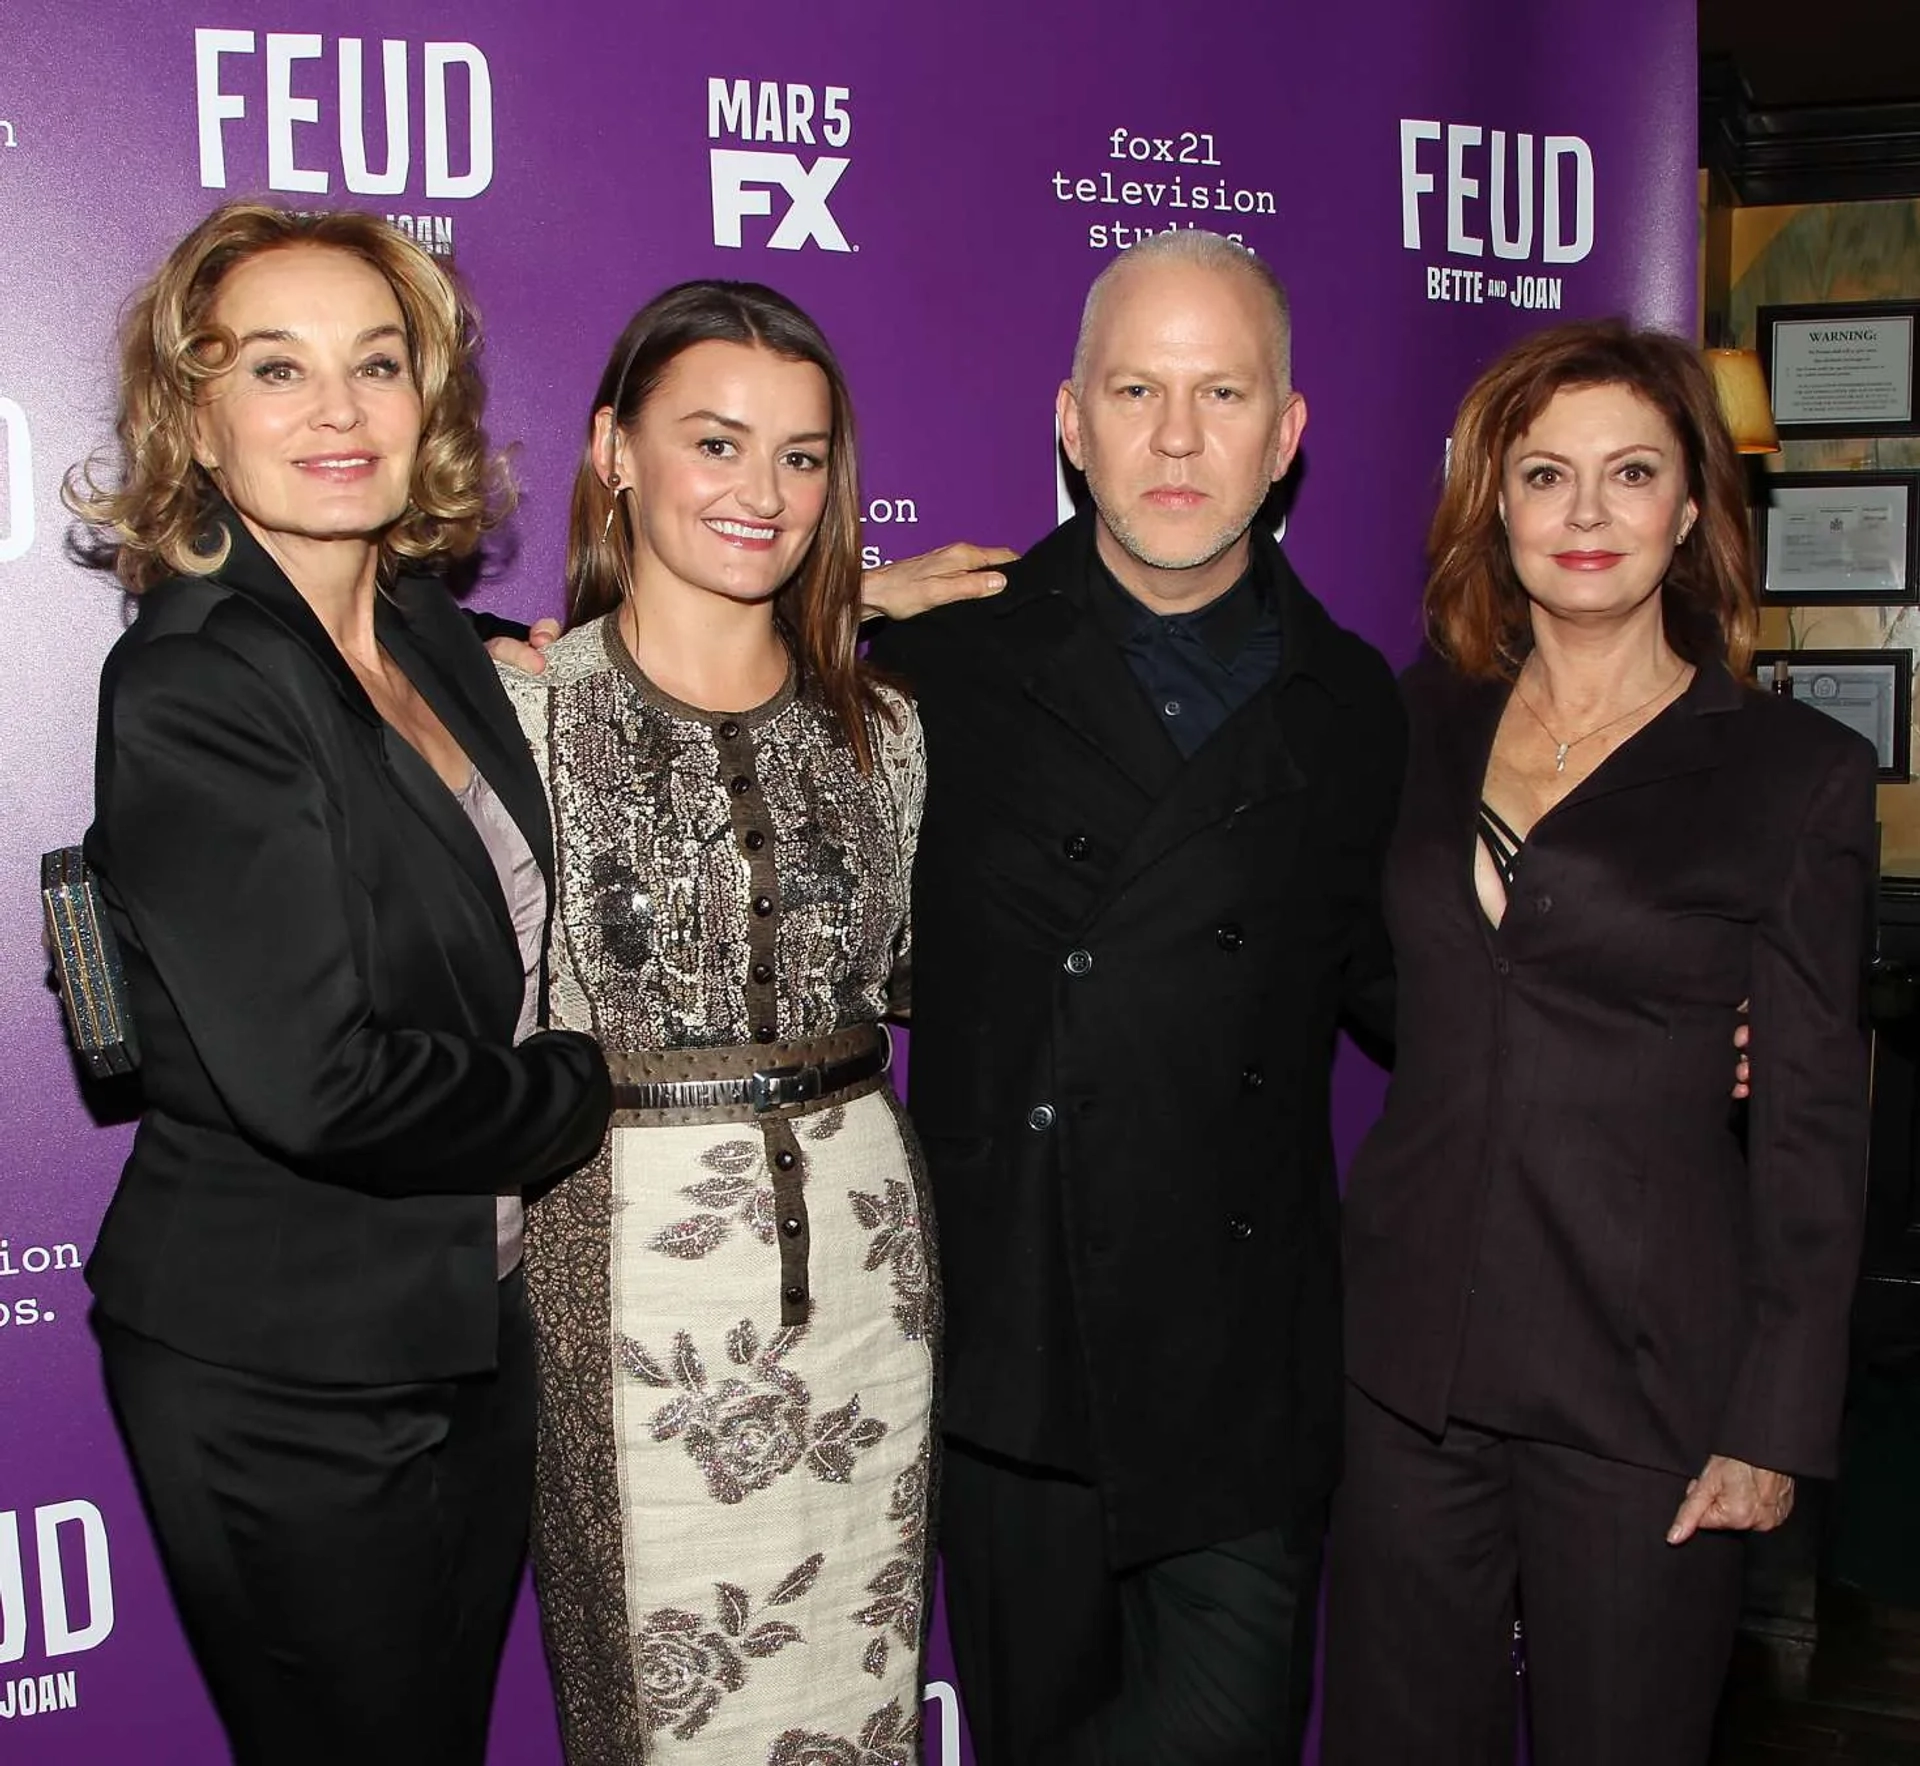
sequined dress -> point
(730, 1538)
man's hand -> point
(914, 585)
(525, 657)
(1742, 1071)
(1733, 1495)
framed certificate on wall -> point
(1870, 691)
(1842, 368)
(1839, 537)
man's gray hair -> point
(1204, 251)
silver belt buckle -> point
(774, 1087)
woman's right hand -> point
(525, 657)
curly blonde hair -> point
(150, 500)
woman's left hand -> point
(1733, 1495)
(914, 585)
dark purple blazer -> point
(1556, 1218)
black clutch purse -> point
(87, 956)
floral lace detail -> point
(890, 1737)
(900, 1244)
(899, 1586)
(688, 1664)
(745, 1434)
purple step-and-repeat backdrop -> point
(938, 185)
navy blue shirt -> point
(1197, 669)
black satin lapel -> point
(442, 812)
(490, 735)
(1082, 679)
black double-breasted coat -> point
(1128, 973)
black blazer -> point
(1127, 972)
(325, 982)
(1558, 1137)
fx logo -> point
(743, 183)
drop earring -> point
(613, 484)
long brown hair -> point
(150, 500)
(1476, 609)
(818, 607)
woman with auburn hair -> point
(324, 849)
(734, 1305)
(1596, 1320)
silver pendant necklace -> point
(1560, 748)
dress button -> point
(1229, 937)
(783, 1160)
(1040, 1118)
(1075, 846)
(793, 1294)
(790, 1225)
(740, 784)
(1252, 1079)
(729, 730)
(1543, 904)
(762, 906)
(765, 1033)
(1240, 1229)
(754, 840)
(1078, 962)
(762, 973)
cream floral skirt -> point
(731, 1539)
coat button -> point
(783, 1160)
(762, 906)
(1543, 904)
(729, 730)
(1251, 1079)
(1240, 1229)
(754, 840)
(793, 1294)
(762, 973)
(1075, 846)
(1501, 966)
(790, 1225)
(1078, 962)
(1040, 1118)
(1229, 936)
(740, 784)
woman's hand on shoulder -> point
(511, 653)
(959, 572)
(1732, 1496)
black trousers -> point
(344, 1558)
(1204, 1659)
(1627, 1637)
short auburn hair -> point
(151, 501)
(1475, 606)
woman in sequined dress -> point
(734, 1305)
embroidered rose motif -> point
(746, 1432)
(687, 1664)
(898, 1585)
(887, 1738)
(899, 1247)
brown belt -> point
(755, 1076)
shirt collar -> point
(1224, 625)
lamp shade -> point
(1743, 400)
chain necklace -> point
(1561, 749)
